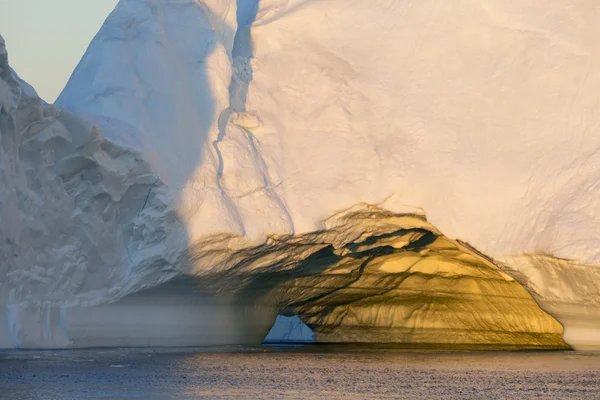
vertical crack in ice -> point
(242, 53)
(222, 127)
(148, 195)
(230, 204)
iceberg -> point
(290, 330)
(215, 166)
(77, 211)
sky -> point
(46, 39)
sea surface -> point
(297, 372)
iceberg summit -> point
(228, 172)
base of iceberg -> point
(177, 313)
(369, 276)
(229, 191)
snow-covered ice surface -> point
(299, 372)
(481, 114)
(265, 119)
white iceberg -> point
(256, 124)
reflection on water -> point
(313, 371)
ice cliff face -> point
(467, 113)
(156, 78)
(481, 113)
(84, 221)
(261, 120)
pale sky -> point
(46, 39)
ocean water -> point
(297, 372)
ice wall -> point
(156, 78)
(260, 122)
(84, 221)
(482, 113)
(466, 111)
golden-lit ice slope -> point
(372, 276)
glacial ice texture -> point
(255, 124)
(308, 108)
(84, 221)
(567, 290)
